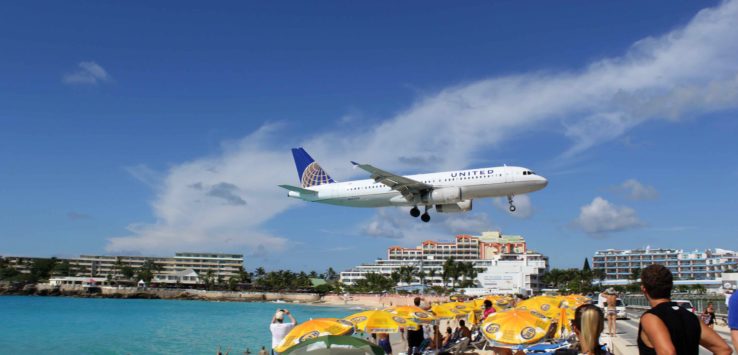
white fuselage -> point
(472, 184)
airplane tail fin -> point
(308, 170)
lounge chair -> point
(459, 347)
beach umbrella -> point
(563, 323)
(335, 345)
(313, 329)
(501, 302)
(380, 322)
(573, 301)
(450, 310)
(515, 327)
(546, 305)
(414, 313)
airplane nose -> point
(543, 182)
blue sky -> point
(110, 113)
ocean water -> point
(65, 325)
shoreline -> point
(346, 301)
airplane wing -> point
(409, 188)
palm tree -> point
(395, 277)
(331, 274)
(448, 269)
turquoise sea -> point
(65, 325)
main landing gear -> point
(415, 212)
(510, 201)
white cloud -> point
(635, 190)
(523, 206)
(682, 74)
(396, 223)
(87, 73)
(217, 216)
(601, 217)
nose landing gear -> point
(510, 201)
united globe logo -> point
(545, 307)
(492, 328)
(528, 333)
(314, 175)
(358, 319)
(399, 320)
(422, 315)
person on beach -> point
(279, 328)
(463, 331)
(588, 324)
(263, 351)
(383, 340)
(708, 315)
(488, 309)
(667, 328)
(610, 298)
(447, 337)
(414, 337)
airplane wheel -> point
(415, 212)
(425, 217)
(512, 208)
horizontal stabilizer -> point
(298, 189)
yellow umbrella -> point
(502, 302)
(313, 329)
(573, 301)
(563, 326)
(515, 327)
(451, 309)
(546, 305)
(380, 322)
(448, 310)
(416, 314)
(474, 317)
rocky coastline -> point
(155, 293)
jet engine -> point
(462, 206)
(446, 195)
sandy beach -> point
(379, 301)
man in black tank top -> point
(667, 328)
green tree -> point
(233, 283)
(41, 269)
(62, 269)
(449, 270)
(407, 274)
(586, 265)
(128, 272)
(331, 274)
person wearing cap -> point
(610, 297)
(279, 328)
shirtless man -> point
(611, 299)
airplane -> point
(447, 192)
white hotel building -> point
(493, 255)
(706, 265)
(184, 267)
